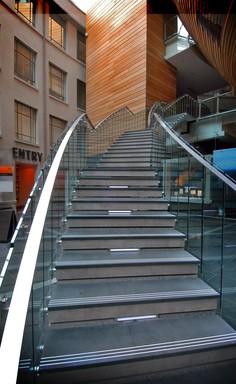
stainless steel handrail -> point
(197, 155)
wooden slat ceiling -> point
(212, 25)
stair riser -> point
(133, 141)
(112, 192)
(101, 312)
(116, 222)
(121, 181)
(121, 150)
(123, 156)
(122, 146)
(140, 367)
(113, 205)
(97, 272)
(125, 164)
(144, 142)
(132, 173)
(121, 243)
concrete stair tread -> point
(117, 191)
(124, 233)
(119, 177)
(119, 199)
(92, 257)
(118, 187)
(120, 214)
(141, 165)
(113, 292)
(114, 181)
(127, 341)
(115, 168)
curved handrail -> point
(13, 335)
(197, 155)
(125, 109)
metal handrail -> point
(194, 109)
(196, 154)
(13, 335)
(125, 109)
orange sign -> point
(6, 170)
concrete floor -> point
(221, 373)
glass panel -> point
(81, 94)
(26, 9)
(81, 46)
(57, 126)
(205, 211)
(228, 308)
(24, 63)
(25, 121)
(57, 30)
(57, 82)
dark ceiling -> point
(161, 6)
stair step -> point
(110, 299)
(106, 171)
(123, 159)
(82, 354)
(119, 203)
(141, 132)
(119, 191)
(135, 141)
(120, 238)
(126, 164)
(118, 180)
(118, 219)
(92, 264)
(142, 150)
(125, 156)
(127, 145)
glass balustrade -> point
(85, 146)
(204, 203)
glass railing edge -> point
(13, 335)
(197, 155)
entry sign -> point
(6, 178)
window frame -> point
(32, 11)
(53, 21)
(60, 80)
(20, 70)
(81, 97)
(81, 46)
(21, 128)
(56, 128)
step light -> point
(133, 318)
(124, 249)
(118, 186)
(119, 212)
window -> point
(25, 123)
(57, 30)
(57, 126)
(26, 8)
(24, 62)
(81, 95)
(57, 80)
(81, 46)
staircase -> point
(127, 299)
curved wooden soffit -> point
(213, 32)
